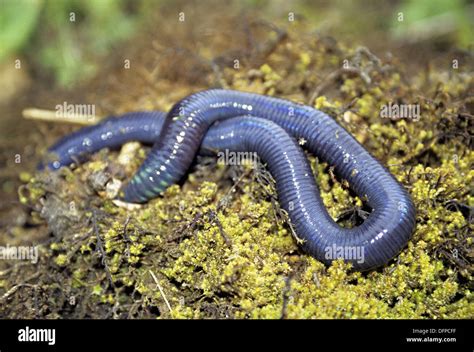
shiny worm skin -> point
(272, 135)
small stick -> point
(52, 116)
(161, 290)
(16, 287)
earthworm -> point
(272, 131)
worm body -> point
(110, 133)
(271, 131)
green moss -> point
(61, 260)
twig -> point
(13, 290)
(16, 287)
(52, 116)
(161, 291)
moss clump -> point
(219, 246)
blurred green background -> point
(65, 39)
